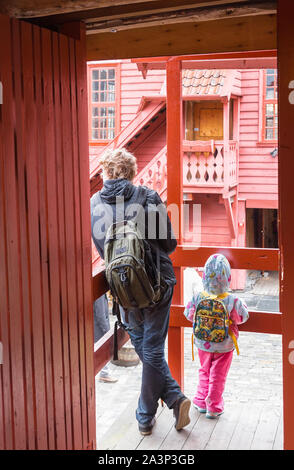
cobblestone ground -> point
(255, 378)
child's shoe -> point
(213, 415)
(201, 410)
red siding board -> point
(46, 326)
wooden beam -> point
(100, 285)
(230, 216)
(170, 16)
(72, 10)
(245, 63)
(263, 259)
(226, 35)
(103, 349)
(259, 322)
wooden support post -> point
(286, 225)
(226, 136)
(175, 199)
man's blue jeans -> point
(148, 333)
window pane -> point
(269, 134)
(111, 73)
(111, 134)
(95, 97)
(270, 71)
(95, 123)
(276, 109)
(95, 86)
(103, 85)
(270, 95)
(103, 111)
(270, 80)
(111, 122)
(103, 96)
(111, 111)
(94, 134)
(94, 111)
(103, 74)
(95, 74)
(111, 97)
(276, 134)
(103, 134)
(111, 85)
(269, 122)
(269, 109)
(103, 122)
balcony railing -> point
(208, 166)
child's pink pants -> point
(212, 378)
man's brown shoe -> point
(181, 412)
(146, 429)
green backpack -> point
(133, 277)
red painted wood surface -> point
(103, 351)
(259, 322)
(174, 140)
(47, 395)
(258, 170)
(262, 259)
(286, 226)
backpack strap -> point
(213, 296)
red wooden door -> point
(47, 396)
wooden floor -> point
(242, 427)
(253, 404)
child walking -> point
(215, 314)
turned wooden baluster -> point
(219, 164)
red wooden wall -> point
(258, 170)
(132, 87)
(47, 396)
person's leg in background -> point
(101, 327)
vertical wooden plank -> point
(61, 237)
(5, 372)
(86, 232)
(33, 150)
(286, 225)
(174, 138)
(54, 279)
(226, 135)
(13, 343)
(47, 202)
(79, 261)
(70, 251)
(59, 116)
(19, 59)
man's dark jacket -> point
(112, 189)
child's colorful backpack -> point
(211, 318)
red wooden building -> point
(230, 161)
(47, 372)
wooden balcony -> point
(208, 167)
